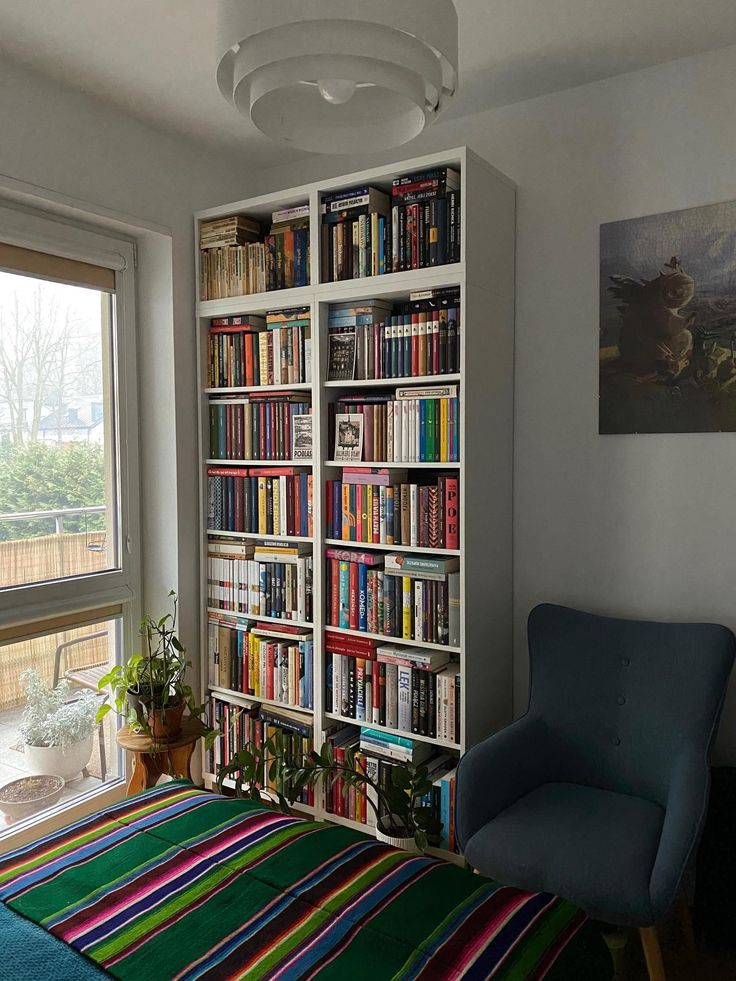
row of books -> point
(411, 425)
(419, 695)
(260, 501)
(269, 580)
(405, 596)
(259, 427)
(236, 264)
(375, 340)
(261, 661)
(250, 351)
(366, 232)
(376, 753)
(241, 729)
(379, 506)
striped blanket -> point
(181, 884)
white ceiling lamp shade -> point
(338, 76)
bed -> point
(178, 883)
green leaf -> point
(102, 711)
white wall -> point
(623, 525)
(77, 147)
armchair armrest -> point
(687, 800)
(497, 772)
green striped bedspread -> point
(181, 884)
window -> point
(69, 562)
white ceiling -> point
(155, 58)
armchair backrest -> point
(624, 699)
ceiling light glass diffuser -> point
(336, 76)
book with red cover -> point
(452, 518)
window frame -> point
(30, 602)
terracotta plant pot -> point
(165, 723)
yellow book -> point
(345, 513)
(276, 507)
(444, 431)
(369, 510)
(262, 526)
(406, 605)
(252, 673)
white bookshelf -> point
(485, 276)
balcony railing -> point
(56, 516)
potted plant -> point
(402, 817)
(149, 691)
(57, 729)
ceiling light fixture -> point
(338, 75)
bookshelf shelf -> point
(252, 536)
(248, 389)
(485, 280)
(362, 546)
(396, 382)
(402, 641)
(239, 698)
(390, 465)
(444, 743)
(259, 463)
(232, 615)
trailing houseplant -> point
(150, 691)
(57, 729)
(269, 772)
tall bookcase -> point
(485, 276)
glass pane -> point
(58, 479)
(84, 755)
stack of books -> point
(406, 688)
(405, 596)
(234, 262)
(425, 219)
(379, 506)
(250, 351)
(259, 427)
(355, 239)
(413, 339)
(375, 754)
(260, 501)
(242, 728)
(410, 425)
(261, 661)
(269, 580)
(224, 232)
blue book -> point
(389, 510)
(381, 245)
(362, 596)
(336, 509)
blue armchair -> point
(599, 792)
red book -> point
(298, 503)
(249, 343)
(272, 471)
(338, 801)
(348, 555)
(227, 472)
(345, 650)
(310, 499)
(366, 644)
(452, 515)
(282, 628)
(270, 657)
(334, 592)
(353, 607)
(245, 681)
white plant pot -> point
(67, 762)
(405, 844)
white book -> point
(418, 610)
(403, 682)
(301, 606)
(398, 432)
(283, 515)
(371, 769)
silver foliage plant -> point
(49, 719)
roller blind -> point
(42, 265)
(50, 625)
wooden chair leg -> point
(652, 953)
(685, 919)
